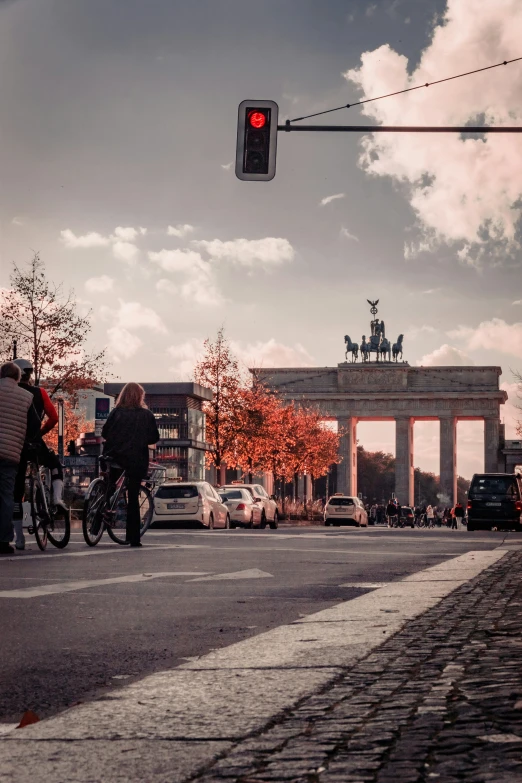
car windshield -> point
(494, 485)
(176, 492)
(233, 494)
(341, 502)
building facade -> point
(178, 409)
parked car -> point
(407, 516)
(495, 500)
(241, 507)
(268, 505)
(345, 509)
(190, 501)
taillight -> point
(240, 507)
(518, 505)
(200, 499)
(470, 504)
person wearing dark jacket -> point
(129, 431)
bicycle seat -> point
(109, 462)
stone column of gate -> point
(491, 443)
(404, 485)
(448, 457)
(347, 468)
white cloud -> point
(272, 354)
(92, 239)
(194, 277)
(127, 318)
(267, 252)
(99, 284)
(413, 332)
(446, 355)
(125, 251)
(143, 230)
(348, 234)
(461, 189)
(16, 221)
(495, 335)
(181, 230)
(122, 344)
(517, 302)
(185, 356)
(126, 233)
(227, 166)
(329, 199)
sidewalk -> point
(440, 702)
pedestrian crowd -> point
(395, 515)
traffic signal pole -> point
(288, 128)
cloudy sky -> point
(118, 136)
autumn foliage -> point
(253, 429)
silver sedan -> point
(242, 508)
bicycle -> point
(103, 512)
(49, 522)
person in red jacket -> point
(48, 416)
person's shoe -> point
(136, 543)
(20, 545)
(6, 549)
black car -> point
(495, 500)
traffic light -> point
(256, 140)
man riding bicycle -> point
(45, 410)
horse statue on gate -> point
(365, 349)
(352, 348)
(384, 349)
(397, 347)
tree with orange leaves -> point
(49, 332)
(74, 424)
(218, 370)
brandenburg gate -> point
(394, 391)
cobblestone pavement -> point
(439, 702)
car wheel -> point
(274, 524)
(263, 520)
(327, 523)
(250, 524)
(227, 522)
(232, 525)
(471, 526)
(211, 522)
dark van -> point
(495, 500)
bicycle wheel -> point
(117, 526)
(146, 509)
(59, 527)
(117, 529)
(39, 514)
(92, 516)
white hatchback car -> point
(269, 511)
(190, 501)
(241, 507)
(345, 509)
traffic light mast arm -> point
(288, 127)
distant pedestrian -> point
(430, 515)
(459, 514)
(129, 431)
(18, 420)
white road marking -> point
(365, 585)
(501, 738)
(83, 584)
(5, 728)
(249, 573)
(145, 730)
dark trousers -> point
(7, 485)
(453, 523)
(133, 502)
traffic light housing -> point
(256, 140)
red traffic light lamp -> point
(256, 140)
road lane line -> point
(83, 584)
(184, 717)
(249, 573)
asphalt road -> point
(82, 622)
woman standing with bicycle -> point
(129, 431)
